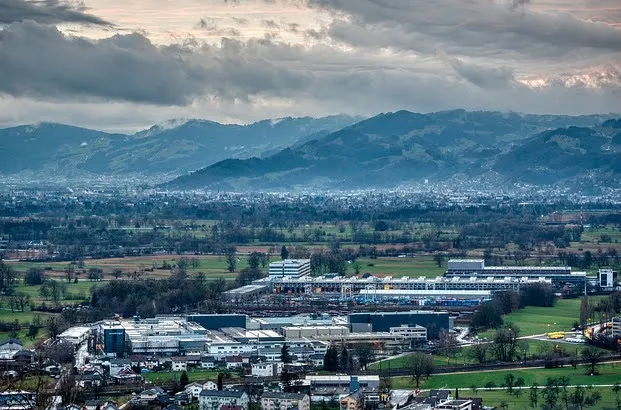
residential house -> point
(93, 404)
(214, 399)
(89, 380)
(179, 364)
(316, 359)
(151, 394)
(116, 365)
(234, 362)
(182, 398)
(209, 385)
(126, 376)
(207, 362)
(230, 407)
(285, 401)
(193, 390)
(267, 369)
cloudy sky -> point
(123, 65)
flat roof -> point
(76, 331)
(245, 289)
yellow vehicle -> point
(556, 335)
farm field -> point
(412, 267)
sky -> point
(125, 65)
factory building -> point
(217, 321)
(469, 268)
(245, 293)
(290, 268)
(384, 321)
(349, 286)
(300, 332)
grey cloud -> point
(471, 28)
(270, 24)
(131, 68)
(484, 77)
(240, 20)
(45, 12)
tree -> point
(95, 274)
(184, 380)
(117, 273)
(285, 380)
(344, 360)
(479, 352)
(284, 253)
(486, 316)
(593, 357)
(550, 393)
(585, 311)
(7, 277)
(420, 364)
(365, 355)
(447, 343)
(533, 395)
(285, 355)
(55, 326)
(231, 259)
(331, 359)
(21, 300)
(506, 342)
(34, 276)
(509, 383)
(616, 389)
(439, 259)
(255, 259)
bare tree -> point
(420, 364)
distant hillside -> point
(52, 150)
(405, 147)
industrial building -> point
(245, 293)
(475, 268)
(218, 321)
(278, 323)
(290, 268)
(384, 321)
(75, 335)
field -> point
(496, 397)
(609, 374)
(462, 355)
(533, 320)
(412, 267)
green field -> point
(496, 397)
(533, 320)
(194, 375)
(462, 355)
(609, 374)
(412, 267)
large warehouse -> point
(384, 321)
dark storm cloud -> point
(45, 12)
(40, 61)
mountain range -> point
(50, 150)
(403, 147)
(335, 152)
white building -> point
(616, 326)
(75, 335)
(290, 268)
(193, 390)
(410, 332)
(214, 399)
(606, 279)
(209, 385)
(179, 364)
(267, 369)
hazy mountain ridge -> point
(172, 148)
(403, 147)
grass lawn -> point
(412, 267)
(609, 374)
(533, 320)
(496, 397)
(194, 375)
